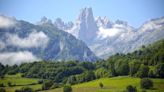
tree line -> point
(145, 62)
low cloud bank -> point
(35, 39)
(6, 22)
(11, 58)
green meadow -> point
(18, 82)
(115, 84)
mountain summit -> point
(86, 25)
(21, 41)
(106, 38)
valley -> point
(115, 84)
(81, 46)
(115, 73)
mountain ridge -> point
(23, 42)
(108, 38)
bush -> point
(1, 85)
(2, 90)
(143, 90)
(143, 71)
(160, 70)
(130, 88)
(40, 81)
(101, 85)
(47, 85)
(67, 88)
(9, 84)
(146, 83)
(101, 72)
(151, 74)
(55, 85)
(25, 89)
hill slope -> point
(105, 37)
(115, 84)
(21, 41)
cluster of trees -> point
(145, 83)
(133, 67)
(67, 88)
(146, 62)
(2, 72)
(25, 89)
(84, 77)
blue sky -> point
(135, 12)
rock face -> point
(103, 22)
(106, 38)
(21, 41)
(61, 25)
(87, 25)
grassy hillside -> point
(115, 84)
(18, 82)
(148, 62)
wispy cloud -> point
(2, 45)
(6, 22)
(11, 58)
(35, 39)
(103, 33)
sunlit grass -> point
(115, 84)
(19, 82)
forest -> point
(147, 62)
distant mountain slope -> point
(21, 41)
(106, 38)
(151, 54)
(128, 39)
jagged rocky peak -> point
(86, 13)
(86, 25)
(103, 22)
(39, 42)
(152, 24)
(120, 22)
(45, 21)
(70, 24)
(59, 23)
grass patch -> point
(115, 84)
(19, 82)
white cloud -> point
(6, 22)
(35, 39)
(12, 58)
(110, 32)
(2, 45)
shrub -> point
(130, 88)
(55, 85)
(2, 90)
(101, 85)
(67, 88)
(40, 81)
(143, 71)
(9, 84)
(101, 72)
(47, 85)
(151, 74)
(146, 83)
(25, 89)
(143, 90)
(1, 85)
(160, 70)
